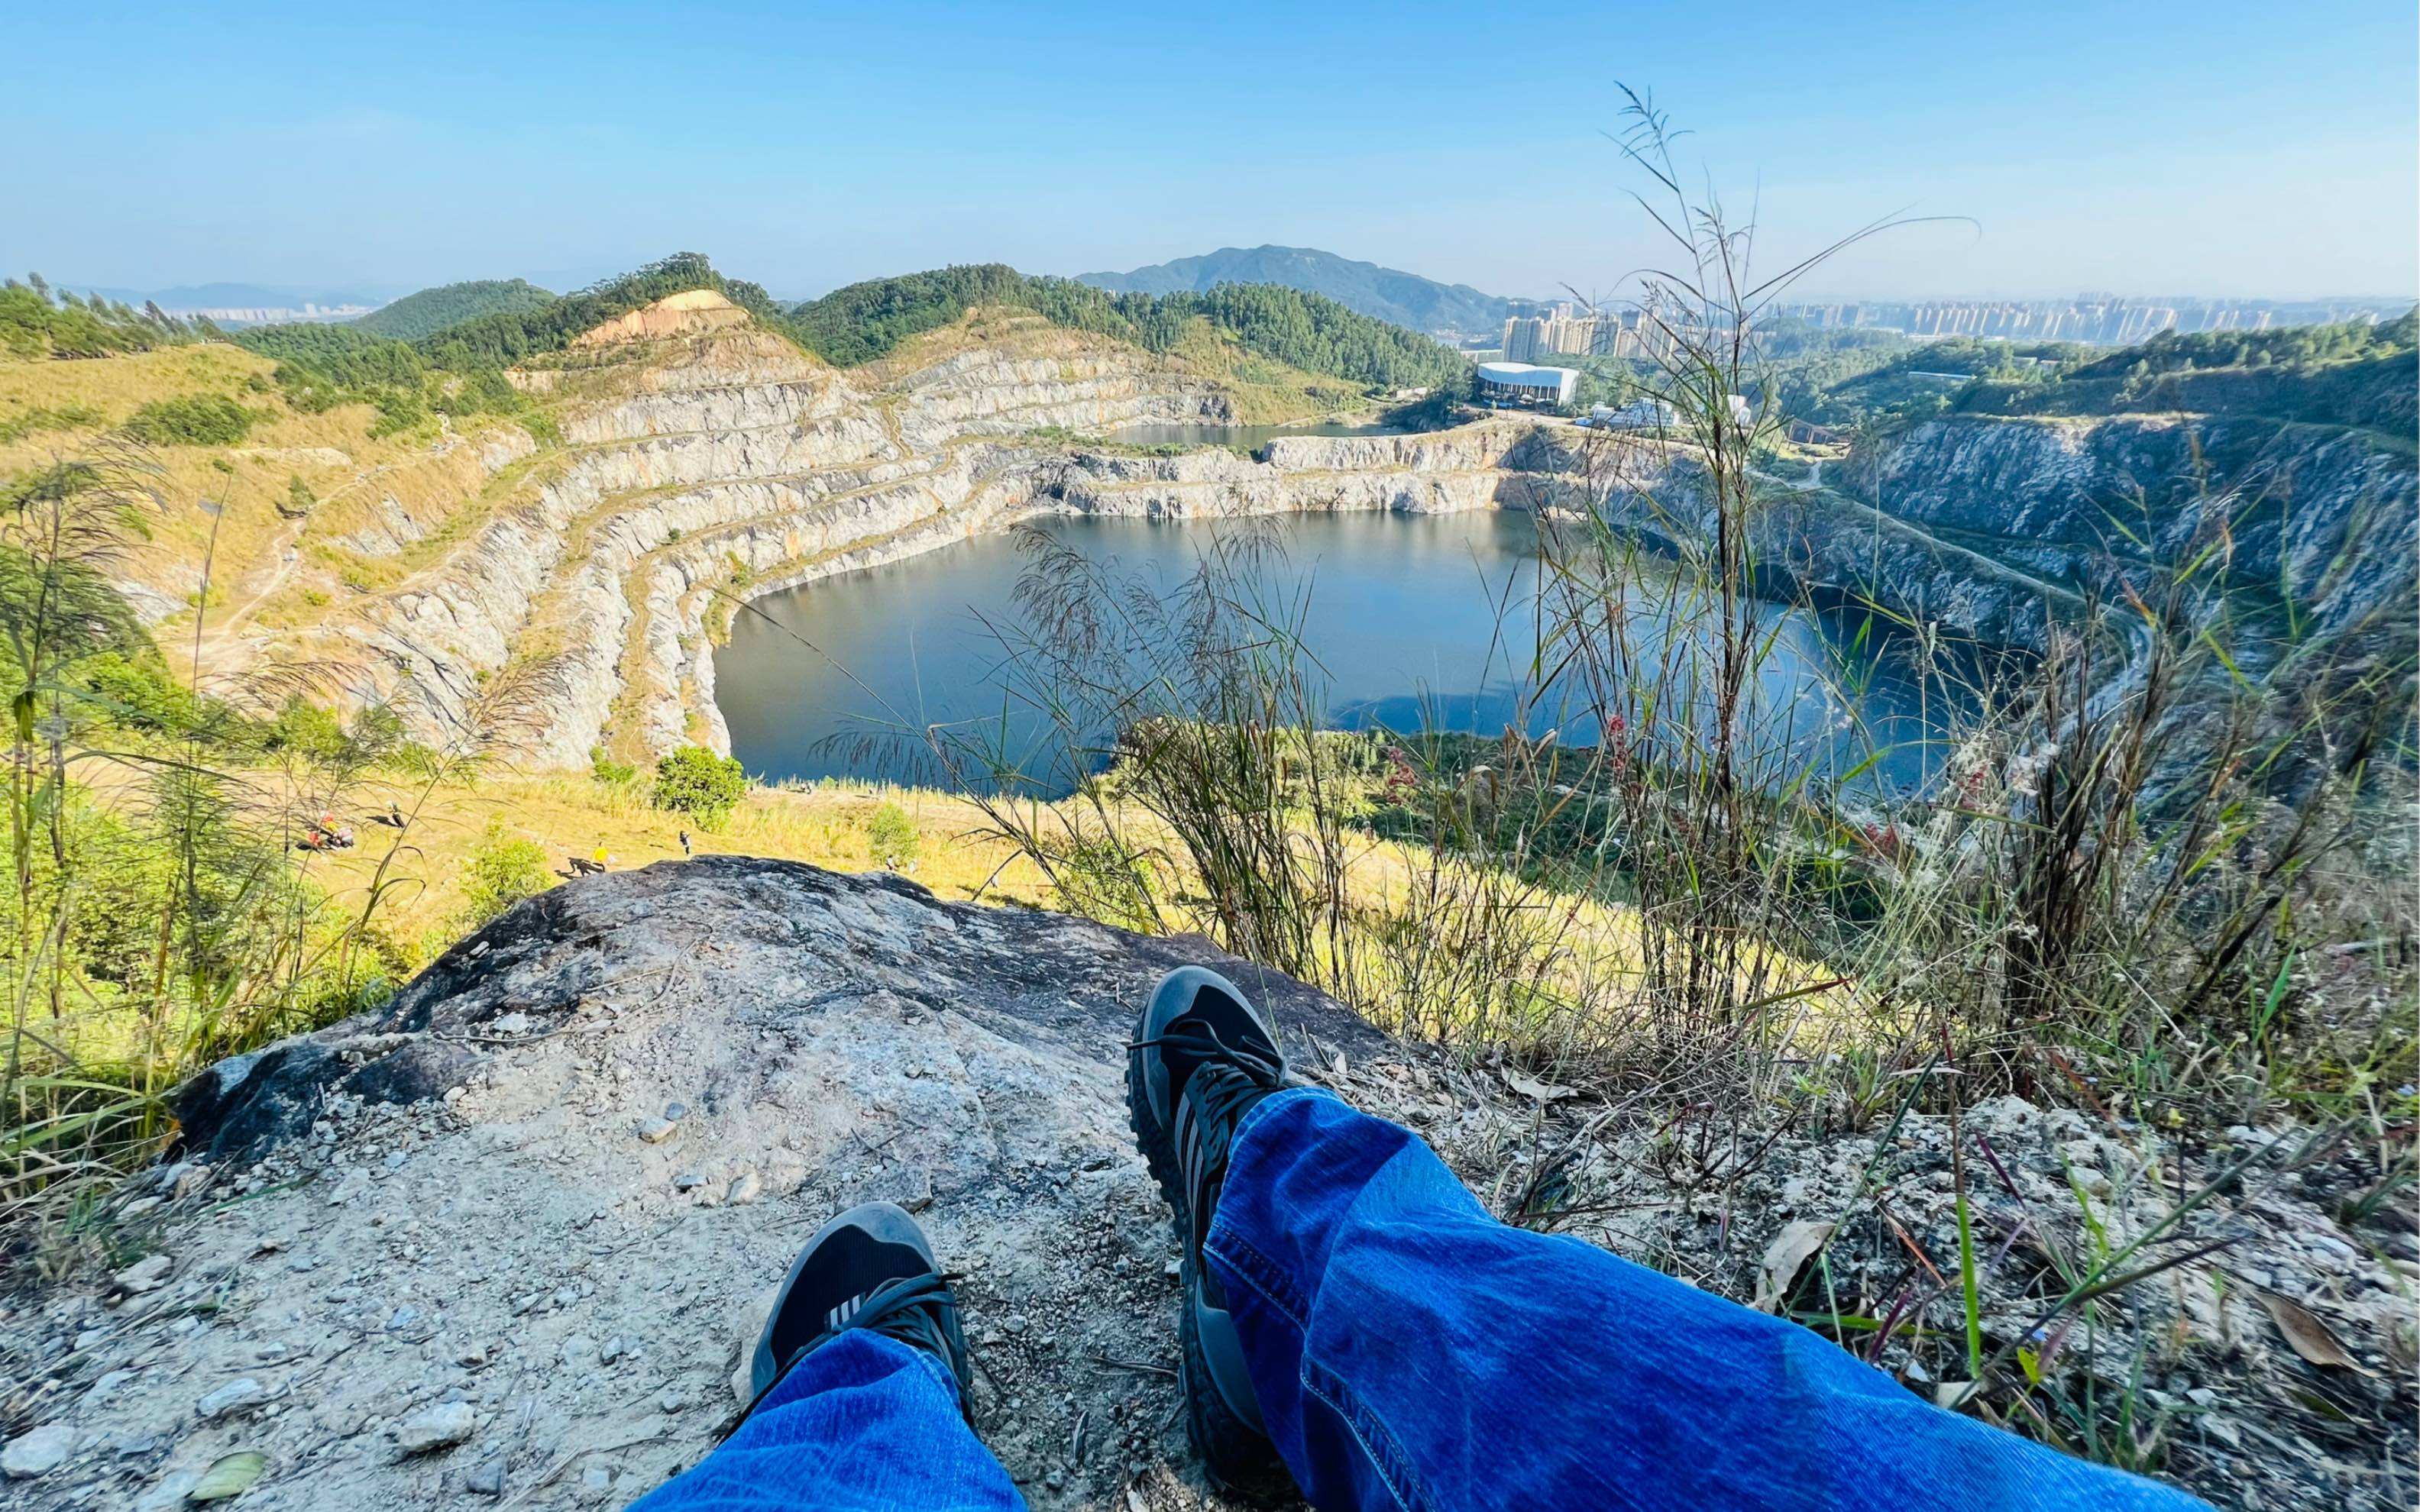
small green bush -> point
(606, 770)
(892, 836)
(695, 781)
(195, 420)
(503, 870)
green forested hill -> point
(415, 315)
(865, 321)
(2344, 375)
(1389, 294)
(508, 337)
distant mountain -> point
(415, 315)
(1389, 294)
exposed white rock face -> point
(731, 465)
(727, 464)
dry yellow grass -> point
(571, 816)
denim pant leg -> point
(1410, 1352)
(863, 1423)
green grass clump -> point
(195, 420)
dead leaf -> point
(1530, 1087)
(229, 1476)
(1786, 1257)
(2308, 1335)
(1338, 1066)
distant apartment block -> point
(2097, 320)
(1568, 330)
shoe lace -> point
(919, 1311)
(1226, 1081)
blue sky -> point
(2141, 145)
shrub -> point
(195, 420)
(695, 781)
(892, 836)
(503, 870)
(606, 770)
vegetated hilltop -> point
(1389, 294)
(415, 315)
(865, 321)
(38, 321)
(2355, 374)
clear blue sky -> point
(2142, 146)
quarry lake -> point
(1415, 621)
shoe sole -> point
(1237, 1456)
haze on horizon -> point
(2160, 147)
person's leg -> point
(865, 1423)
(860, 1377)
(1408, 1351)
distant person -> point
(684, 835)
(1355, 1325)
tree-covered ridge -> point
(508, 336)
(2352, 374)
(868, 320)
(319, 366)
(36, 320)
(432, 310)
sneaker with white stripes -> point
(870, 1267)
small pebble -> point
(688, 1181)
(440, 1426)
(233, 1396)
(40, 1452)
(656, 1131)
(488, 1480)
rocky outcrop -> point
(503, 1241)
(689, 314)
(549, 1189)
(2327, 516)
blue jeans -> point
(1411, 1352)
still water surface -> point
(1401, 612)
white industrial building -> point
(1522, 383)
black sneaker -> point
(869, 1268)
(1201, 1059)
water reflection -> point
(1415, 621)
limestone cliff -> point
(2325, 516)
(705, 462)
